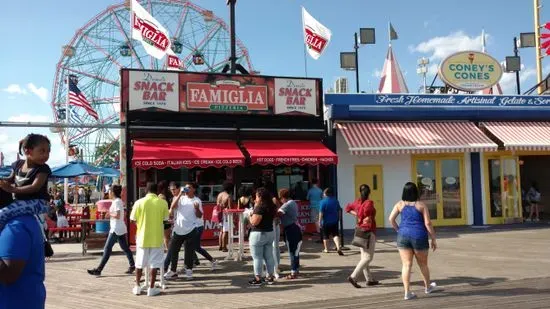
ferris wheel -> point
(104, 45)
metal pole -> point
(536, 4)
(424, 78)
(517, 72)
(67, 114)
(233, 43)
(356, 46)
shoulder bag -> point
(361, 238)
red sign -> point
(294, 160)
(150, 33)
(314, 41)
(174, 62)
(226, 95)
(194, 92)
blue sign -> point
(435, 100)
(382, 107)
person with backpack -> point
(533, 196)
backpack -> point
(535, 197)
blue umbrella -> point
(110, 172)
(61, 181)
(5, 171)
(75, 169)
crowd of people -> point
(170, 217)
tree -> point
(108, 153)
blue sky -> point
(271, 30)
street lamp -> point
(423, 70)
(513, 63)
(350, 60)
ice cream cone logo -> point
(471, 57)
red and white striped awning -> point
(378, 138)
(530, 136)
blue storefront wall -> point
(414, 107)
(400, 107)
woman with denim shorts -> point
(412, 237)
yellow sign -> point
(470, 71)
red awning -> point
(516, 136)
(289, 153)
(385, 138)
(185, 153)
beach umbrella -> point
(110, 172)
(75, 169)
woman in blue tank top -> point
(412, 237)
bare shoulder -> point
(399, 205)
(420, 206)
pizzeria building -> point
(471, 156)
(249, 130)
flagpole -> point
(305, 59)
(305, 47)
(67, 115)
(389, 32)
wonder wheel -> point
(97, 52)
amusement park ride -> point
(104, 45)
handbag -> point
(48, 250)
(216, 214)
(361, 238)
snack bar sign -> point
(154, 91)
(295, 95)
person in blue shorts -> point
(329, 217)
(412, 237)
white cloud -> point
(29, 118)
(41, 92)
(3, 138)
(15, 89)
(9, 144)
(443, 46)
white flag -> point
(153, 36)
(316, 36)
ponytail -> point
(365, 192)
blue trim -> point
(400, 107)
(475, 163)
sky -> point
(271, 31)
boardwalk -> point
(475, 268)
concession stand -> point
(208, 128)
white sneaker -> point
(136, 290)
(276, 275)
(153, 291)
(181, 271)
(431, 288)
(214, 265)
(409, 296)
(188, 274)
(170, 275)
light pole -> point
(233, 60)
(350, 60)
(513, 63)
(423, 70)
